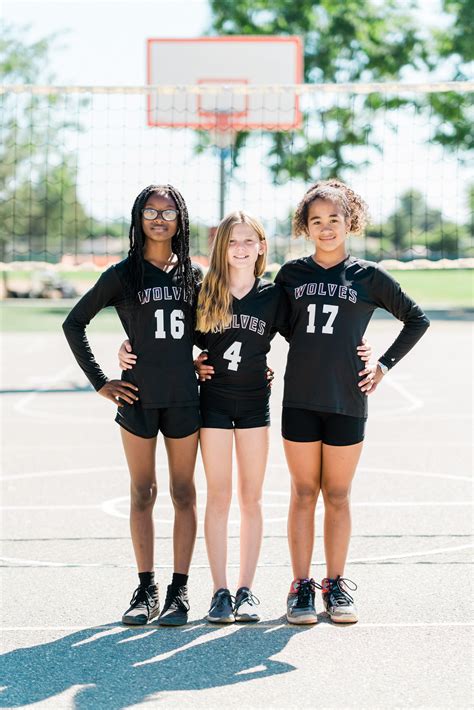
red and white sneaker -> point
(337, 601)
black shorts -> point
(219, 412)
(173, 422)
(333, 429)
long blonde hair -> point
(214, 307)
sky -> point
(103, 43)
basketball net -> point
(223, 135)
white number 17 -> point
(327, 328)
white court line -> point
(262, 624)
(414, 403)
(49, 507)
(23, 402)
(422, 474)
(67, 472)
(211, 636)
(398, 471)
(109, 631)
(164, 467)
(355, 504)
(264, 565)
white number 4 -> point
(233, 355)
(327, 328)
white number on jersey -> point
(327, 328)
(311, 327)
(332, 310)
(233, 355)
(176, 324)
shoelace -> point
(246, 596)
(219, 603)
(174, 597)
(306, 590)
(141, 596)
(338, 595)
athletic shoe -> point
(300, 607)
(144, 606)
(221, 610)
(337, 601)
(175, 610)
(244, 607)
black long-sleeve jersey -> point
(330, 311)
(239, 353)
(160, 329)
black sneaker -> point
(144, 606)
(175, 610)
(221, 610)
(244, 607)
(300, 607)
(338, 602)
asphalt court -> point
(65, 539)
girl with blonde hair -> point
(237, 316)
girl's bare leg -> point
(304, 463)
(181, 462)
(339, 465)
(251, 447)
(216, 449)
(140, 455)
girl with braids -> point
(332, 298)
(153, 291)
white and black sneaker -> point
(300, 608)
(221, 610)
(338, 603)
(144, 606)
(244, 607)
(175, 610)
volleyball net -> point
(73, 160)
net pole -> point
(222, 152)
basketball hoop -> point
(215, 83)
(215, 76)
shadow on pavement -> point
(123, 666)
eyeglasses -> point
(168, 215)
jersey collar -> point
(250, 293)
(332, 269)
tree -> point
(415, 224)
(351, 41)
(39, 203)
(454, 46)
(344, 41)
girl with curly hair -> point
(332, 299)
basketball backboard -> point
(216, 82)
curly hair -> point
(354, 208)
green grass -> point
(451, 288)
(439, 287)
(47, 316)
(76, 276)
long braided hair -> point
(179, 243)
